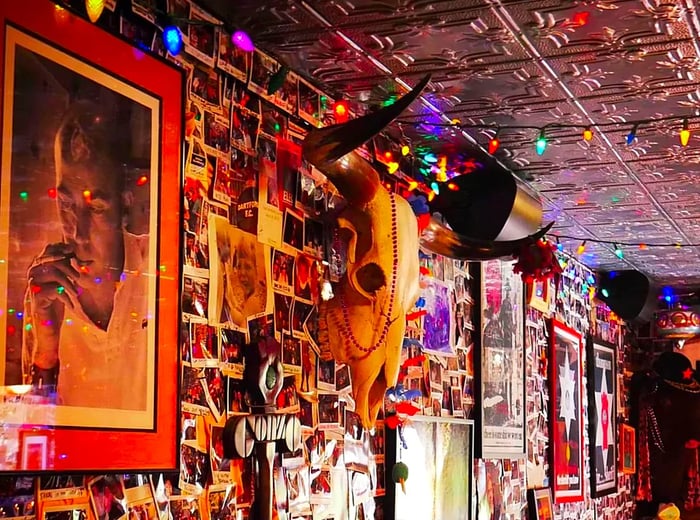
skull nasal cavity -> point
(371, 277)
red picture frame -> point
(566, 416)
(56, 48)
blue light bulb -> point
(172, 39)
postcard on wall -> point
(238, 274)
(270, 218)
(202, 37)
(261, 71)
(309, 102)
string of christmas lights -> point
(586, 130)
(616, 244)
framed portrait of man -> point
(89, 241)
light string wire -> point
(633, 123)
(621, 243)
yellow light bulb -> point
(587, 134)
(94, 9)
(685, 137)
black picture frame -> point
(515, 448)
(601, 374)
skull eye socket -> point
(370, 277)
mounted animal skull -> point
(364, 324)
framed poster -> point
(500, 382)
(602, 415)
(628, 457)
(90, 226)
(539, 295)
(566, 436)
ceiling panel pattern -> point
(533, 63)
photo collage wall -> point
(255, 247)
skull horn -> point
(437, 238)
(354, 177)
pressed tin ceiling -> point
(533, 63)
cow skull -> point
(364, 324)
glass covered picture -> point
(84, 236)
(602, 416)
(566, 436)
(501, 356)
(438, 453)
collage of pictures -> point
(256, 249)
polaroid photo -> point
(328, 411)
(288, 400)
(306, 381)
(245, 129)
(185, 507)
(261, 326)
(235, 397)
(204, 345)
(313, 237)
(286, 96)
(231, 347)
(306, 191)
(293, 234)
(231, 59)
(300, 314)
(205, 87)
(308, 414)
(139, 32)
(309, 103)
(291, 355)
(320, 486)
(316, 447)
(298, 490)
(305, 278)
(107, 496)
(267, 149)
(446, 402)
(342, 378)
(457, 407)
(462, 359)
(214, 392)
(194, 470)
(273, 122)
(221, 501)
(195, 295)
(261, 71)
(295, 133)
(188, 429)
(192, 395)
(196, 259)
(283, 273)
(144, 509)
(269, 189)
(435, 374)
(202, 37)
(185, 339)
(283, 309)
(220, 466)
(216, 133)
(196, 166)
(435, 405)
(67, 512)
(223, 183)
